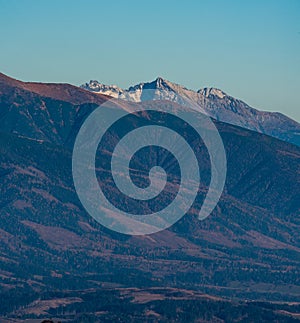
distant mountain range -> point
(212, 101)
(57, 261)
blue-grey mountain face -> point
(211, 101)
(51, 249)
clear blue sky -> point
(250, 49)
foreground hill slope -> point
(249, 248)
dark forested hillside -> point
(56, 260)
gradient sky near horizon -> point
(249, 49)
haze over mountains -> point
(56, 260)
(214, 102)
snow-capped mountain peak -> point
(208, 91)
(209, 100)
(95, 86)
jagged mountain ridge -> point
(214, 102)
